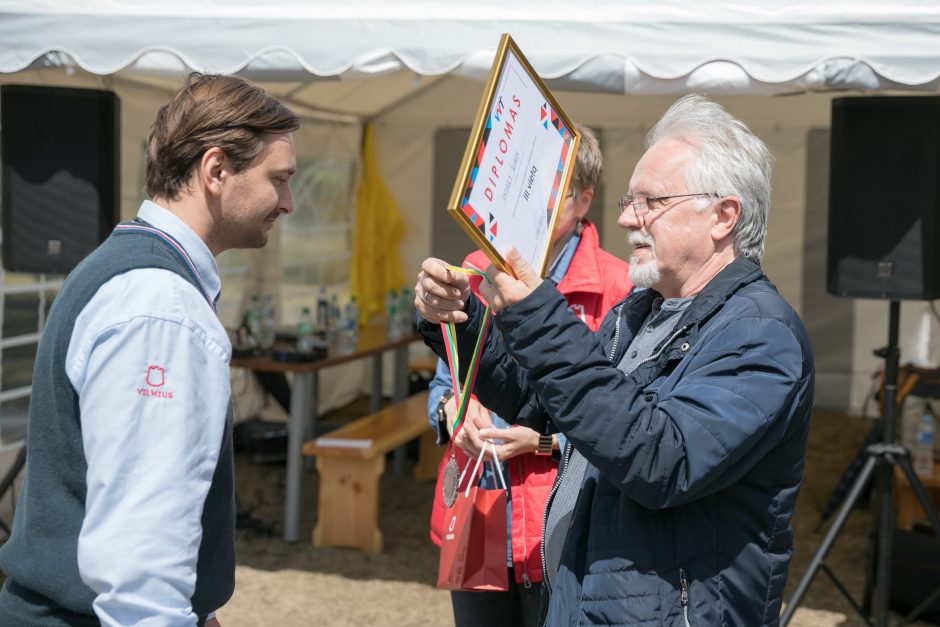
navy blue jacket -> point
(695, 458)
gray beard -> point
(645, 274)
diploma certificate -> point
(517, 164)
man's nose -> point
(628, 219)
(287, 201)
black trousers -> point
(517, 607)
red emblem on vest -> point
(155, 376)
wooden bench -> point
(424, 364)
(350, 461)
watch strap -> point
(443, 435)
(545, 445)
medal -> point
(449, 482)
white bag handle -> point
(495, 462)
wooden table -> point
(303, 403)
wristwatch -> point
(443, 435)
(546, 443)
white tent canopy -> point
(415, 69)
(612, 46)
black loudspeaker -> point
(884, 198)
(60, 177)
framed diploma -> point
(517, 164)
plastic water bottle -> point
(351, 322)
(354, 313)
(305, 331)
(253, 321)
(406, 312)
(392, 319)
(923, 446)
(267, 328)
(349, 330)
(323, 310)
(333, 322)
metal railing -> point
(23, 328)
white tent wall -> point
(845, 331)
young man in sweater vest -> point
(127, 512)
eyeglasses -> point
(643, 204)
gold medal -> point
(449, 482)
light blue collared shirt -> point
(149, 359)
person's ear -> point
(212, 170)
(584, 202)
(726, 214)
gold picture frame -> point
(517, 163)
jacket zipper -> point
(616, 341)
(551, 495)
(684, 597)
(526, 582)
(569, 449)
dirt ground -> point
(298, 585)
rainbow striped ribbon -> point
(462, 393)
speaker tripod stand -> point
(881, 458)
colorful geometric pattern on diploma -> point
(465, 206)
(548, 116)
(471, 213)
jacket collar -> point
(584, 272)
(740, 272)
(733, 277)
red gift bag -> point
(473, 549)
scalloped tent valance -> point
(610, 46)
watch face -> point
(441, 416)
(449, 482)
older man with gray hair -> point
(690, 406)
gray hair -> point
(731, 161)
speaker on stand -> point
(60, 175)
(884, 226)
(60, 184)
